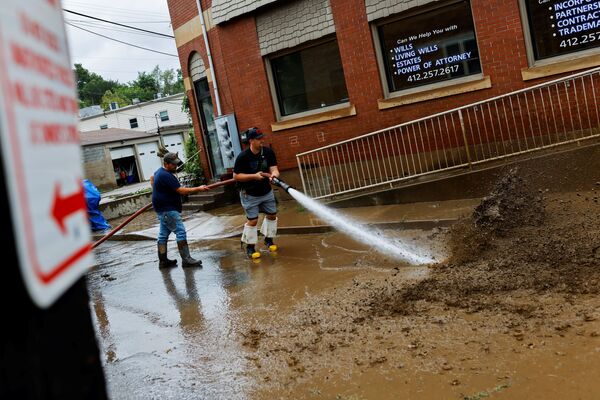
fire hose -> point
(275, 181)
(146, 207)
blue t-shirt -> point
(164, 192)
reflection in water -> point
(187, 302)
(103, 324)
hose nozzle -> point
(281, 184)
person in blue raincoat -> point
(92, 199)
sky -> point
(114, 60)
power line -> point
(102, 9)
(116, 23)
(94, 24)
(120, 41)
(131, 22)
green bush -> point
(192, 165)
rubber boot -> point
(270, 245)
(186, 258)
(251, 252)
(269, 229)
(163, 261)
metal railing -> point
(549, 114)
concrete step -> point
(217, 197)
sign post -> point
(40, 148)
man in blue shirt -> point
(166, 200)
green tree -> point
(91, 87)
(169, 81)
(145, 86)
(110, 97)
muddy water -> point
(177, 334)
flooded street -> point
(176, 333)
(513, 313)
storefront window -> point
(309, 79)
(563, 27)
(432, 46)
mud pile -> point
(515, 240)
(521, 259)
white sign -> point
(40, 148)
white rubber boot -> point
(269, 229)
(250, 237)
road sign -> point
(40, 148)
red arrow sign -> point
(65, 206)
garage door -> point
(121, 152)
(174, 143)
(149, 159)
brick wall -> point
(244, 89)
(98, 167)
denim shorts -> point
(170, 221)
(254, 204)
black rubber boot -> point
(269, 244)
(163, 261)
(186, 258)
(251, 252)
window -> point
(430, 46)
(133, 123)
(558, 27)
(309, 79)
(164, 116)
(104, 126)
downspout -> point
(210, 63)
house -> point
(315, 72)
(111, 152)
(144, 117)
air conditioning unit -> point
(135, 101)
(159, 95)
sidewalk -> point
(293, 219)
(124, 191)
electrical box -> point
(229, 139)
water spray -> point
(358, 232)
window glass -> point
(164, 116)
(133, 123)
(429, 47)
(309, 79)
(104, 126)
(563, 27)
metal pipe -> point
(209, 56)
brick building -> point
(314, 72)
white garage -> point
(174, 143)
(148, 157)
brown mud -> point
(513, 313)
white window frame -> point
(160, 114)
